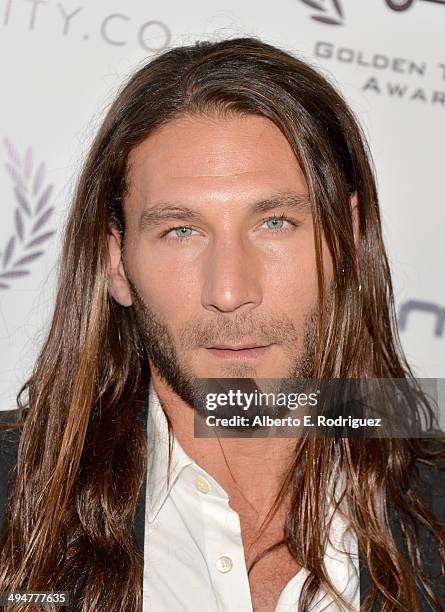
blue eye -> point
(181, 231)
(277, 223)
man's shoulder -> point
(9, 416)
(9, 436)
(431, 489)
(9, 443)
(427, 481)
(430, 480)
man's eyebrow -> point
(294, 201)
(165, 211)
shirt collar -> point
(158, 448)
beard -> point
(161, 348)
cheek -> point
(291, 278)
(169, 287)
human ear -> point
(118, 285)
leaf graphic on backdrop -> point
(314, 4)
(38, 179)
(42, 220)
(30, 209)
(338, 8)
(28, 162)
(44, 198)
(336, 16)
(39, 239)
(14, 273)
(13, 153)
(8, 251)
(328, 20)
(21, 199)
(28, 258)
(19, 224)
(16, 176)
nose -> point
(231, 276)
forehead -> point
(212, 156)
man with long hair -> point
(225, 225)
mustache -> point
(241, 330)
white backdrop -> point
(61, 63)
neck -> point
(251, 470)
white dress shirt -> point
(193, 551)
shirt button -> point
(224, 564)
(202, 484)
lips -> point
(244, 351)
(240, 347)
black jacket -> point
(430, 484)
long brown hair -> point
(82, 454)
